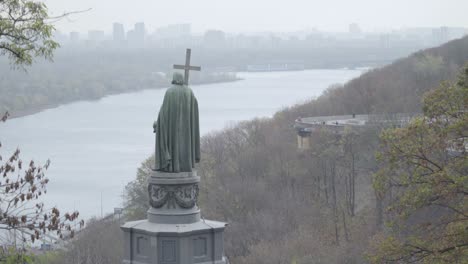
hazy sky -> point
(262, 15)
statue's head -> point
(177, 78)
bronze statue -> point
(177, 129)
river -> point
(95, 147)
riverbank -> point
(21, 113)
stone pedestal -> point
(174, 232)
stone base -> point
(173, 197)
(173, 232)
(156, 243)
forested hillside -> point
(284, 205)
(396, 88)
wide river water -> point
(96, 146)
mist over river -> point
(96, 146)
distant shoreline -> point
(35, 110)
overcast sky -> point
(262, 15)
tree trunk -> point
(334, 200)
(345, 227)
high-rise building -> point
(140, 31)
(174, 35)
(136, 37)
(214, 39)
(118, 32)
(440, 35)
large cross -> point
(187, 67)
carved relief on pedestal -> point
(185, 196)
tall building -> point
(95, 38)
(118, 32)
(136, 37)
(140, 31)
(214, 39)
(440, 35)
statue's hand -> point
(154, 126)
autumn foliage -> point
(424, 177)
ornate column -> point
(174, 232)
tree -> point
(25, 32)
(21, 211)
(136, 192)
(22, 215)
(13, 257)
(92, 245)
(425, 176)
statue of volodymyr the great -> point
(177, 129)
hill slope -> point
(317, 205)
(397, 87)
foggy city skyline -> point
(261, 16)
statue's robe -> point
(177, 131)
